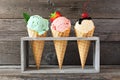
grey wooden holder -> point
(95, 68)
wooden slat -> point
(102, 25)
(14, 29)
(10, 53)
(12, 25)
(110, 52)
(71, 9)
(107, 73)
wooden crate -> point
(26, 68)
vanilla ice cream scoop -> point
(84, 25)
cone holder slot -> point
(26, 68)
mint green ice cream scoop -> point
(38, 24)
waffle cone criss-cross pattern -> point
(60, 45)
(83, 45)
(36, 27)
(37, 46)
(84, 28)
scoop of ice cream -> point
(85, 26)
(61, 24)
(38, 24)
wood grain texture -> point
(71, 9)
(10, 53)
(107, 73)
(14, 29)
(106, 15)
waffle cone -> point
(37, 46)
(60, 45)
(83, 45)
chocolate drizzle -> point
(81, 19)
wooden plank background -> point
(106, 15)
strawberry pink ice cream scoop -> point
(61, 24)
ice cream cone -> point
(37, 46)
(83, 45)
(60, 45)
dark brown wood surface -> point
(69, 8)
(14, 29)
(106, 15)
